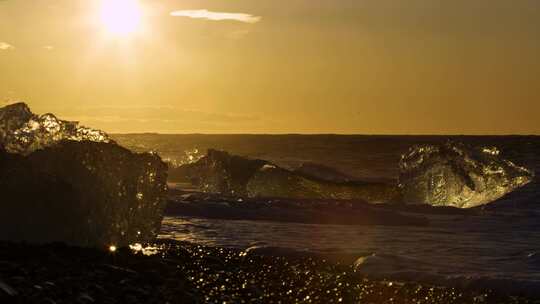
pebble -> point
(189, 273)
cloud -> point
(4, 46)
(216, 16)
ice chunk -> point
(455, 174)
(62, 182)
(221, 172)
(23, 132)
(279, 182)
(322, 172)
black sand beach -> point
(186, 273)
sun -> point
(121, 18)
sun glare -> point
(121, 17)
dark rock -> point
(7, 290)
(252, 276)
(85, 298)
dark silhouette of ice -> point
(322, 172)
(273, 181)
(221, 172)
(458, 175)
(63, 182)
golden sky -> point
(272, 66)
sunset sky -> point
(271, 66)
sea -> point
(498, 248)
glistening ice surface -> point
(23, 132)
(458, 175)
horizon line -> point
(327, 134)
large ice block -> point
(458, 175)
(62, 182)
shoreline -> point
(181, 272)
(194, 203)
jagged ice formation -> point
(458, 175)
(63, 182)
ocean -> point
(498, 248)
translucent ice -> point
(63, 182)
(457, 175)
(23, 132)
(221, 172)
